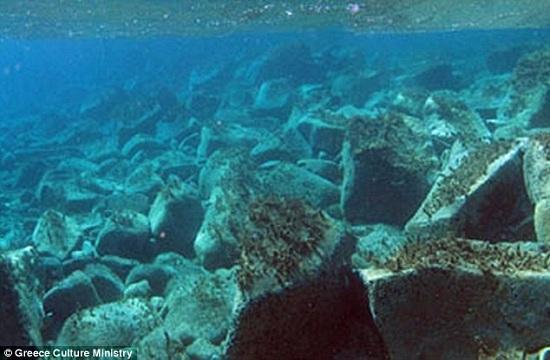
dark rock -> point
(439, 77)
(30, 174)
(202, 106)
(175, 218)
(49, 270)
(119, 265)
(73, 264)
(126, 234)
(385, 165)
(73, 293)
(108, 286)
(503, 61)
(146, 124)
(308, 321)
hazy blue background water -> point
(42, 74)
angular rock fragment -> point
(107, 284)
(20, 308)
(55, 234)
(323, 131)
(126, 234)
(386, 169)
(482, 197)
(175, 218)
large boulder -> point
(20, 294)
(387, 167)
(480, 194)
(461, 299)
(292, 181)
(126, 234)
(114, 324)
(175, 217)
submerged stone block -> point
(20, 307)
(386, 167)
(461, 299)
(483, 196)
(55, 234)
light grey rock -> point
(126, 234)
(175, 217)
(114, 324)
(56, 234)
(289, 180)
(202, 349)
(202, 308)
(20, 295)
(378, 246)
(138, 289)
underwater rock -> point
(202, 349)
(202, 106)
(503, 61)
(310, 320)
(216, 245)
(146, 124)
(222, 135)
(438, 77)
(126, 234)
(138, 289)
(284, 242)
(175, 217)
(144, 179)
(461, 299)
(224, 165)
(292, 181)
(107, 284)
(71, 294)
(114, 324)
(480, 196)
(292, 61)
(29, 175)
(119, 265)
(141, 142)
(536, 171)
(272, 148)
(157, 275)
(464, 123)
(56, 234)
(386, 169)
(202, 308)
(528, 105)
(273, 99)
(323, 131)
(356, 88)
(20, 294)
(135, 202)
(99, 105)
(328, 169)
(378, 246)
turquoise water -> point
(339, 186)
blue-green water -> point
(276, 193)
